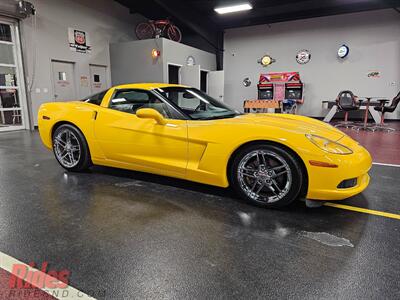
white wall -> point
(177, 53)
(373, 38)
(105, 21)
(132, 62)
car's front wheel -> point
(266, 175)
(70, 148)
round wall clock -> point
(303, 57)
(190, 61)
(343, 51)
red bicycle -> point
(160, 28)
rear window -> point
(96, 98)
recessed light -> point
(233, 8)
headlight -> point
(328, 145)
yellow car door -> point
(142, 144)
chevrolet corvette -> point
(178, 131)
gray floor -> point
(128, 235)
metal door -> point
(13, 109)
(190, 76)
(98, 78)
(63, 81)
(216, 85)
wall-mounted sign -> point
(374, 74)
(303, 57)
(343, 51)
(190, 61)
(84, 81)
(79, 41)
(266, 60)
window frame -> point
(177, 115)
(87, 99)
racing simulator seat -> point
(346, 101)
(384, 109)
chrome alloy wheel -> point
(67, 148)
(264, 176)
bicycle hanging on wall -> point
(159, 28)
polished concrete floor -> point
(128, 235)
(384, 146)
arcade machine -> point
(285, 90)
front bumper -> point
(324, 182)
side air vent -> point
(348, 183)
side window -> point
(186, 101)
(130, 101)
(96, 98)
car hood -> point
(294, 123)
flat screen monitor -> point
(293, 93)
(266, 94)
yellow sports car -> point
(179, 131)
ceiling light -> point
(233, 8)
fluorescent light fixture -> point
(233, 8)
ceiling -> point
(198, 18)
(263, 12)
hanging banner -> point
(79, 41)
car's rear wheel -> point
(266, 175)
(70, 148)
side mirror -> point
(149, 113)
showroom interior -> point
(327, 69)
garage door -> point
(13, 111)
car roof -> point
(147, 86)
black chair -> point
(382, 108)
(346, 101)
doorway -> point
(190, 76)
(216, 85)
(204, 81)
(63, 80)
(98, 78)
(174, 74)
(13, 105)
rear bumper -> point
(324, 182)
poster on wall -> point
(79, 41)
(84, 81)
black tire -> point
(246, 182)
(81, 162)
(144, 31)
(174, 33)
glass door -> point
(13, 113)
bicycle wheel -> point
(144, 31)
(174, 33)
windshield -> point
(196, 104)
